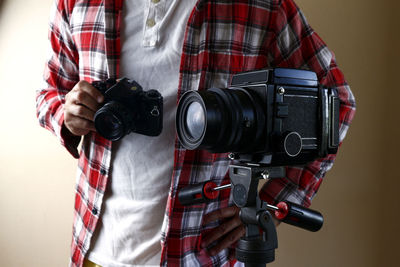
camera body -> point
(128, 108)
(276, 117)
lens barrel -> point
(113, 121)
(220, 120)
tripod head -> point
(255, 248)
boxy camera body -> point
(128, 108)
(275, 117)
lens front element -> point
(195, 120)
(111, 123)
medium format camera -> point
(275, 117)
(127, 108)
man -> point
(125, 200)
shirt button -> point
(155, 1)
(94, 211)
(150, 22)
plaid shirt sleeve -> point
(296, 45)
(60, 75)
(83, 41)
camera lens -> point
(195, 120)
(220, 120)
(112, 121)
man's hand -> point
(81, 103)
(230, 231)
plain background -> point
(359, 197)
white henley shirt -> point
(129, 230)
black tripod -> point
(255, 249)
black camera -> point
(127, 108)
(276, 117)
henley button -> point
(150, 22)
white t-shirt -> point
(129, 229)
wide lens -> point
(220, 120)
(195, 120)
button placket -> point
(155, 14)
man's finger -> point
(220, 214)
(78, 126)
(90, 90)
(226, 242)
(83, 98)
(220, 231)
(80, 111)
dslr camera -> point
(127, 108)
(274, 117)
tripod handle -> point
(285, 211)
(299, 216)
(198, 193)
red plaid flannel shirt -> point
(222, 38)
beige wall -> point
(36, 174)
(358, 199)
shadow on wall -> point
(1, 5)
